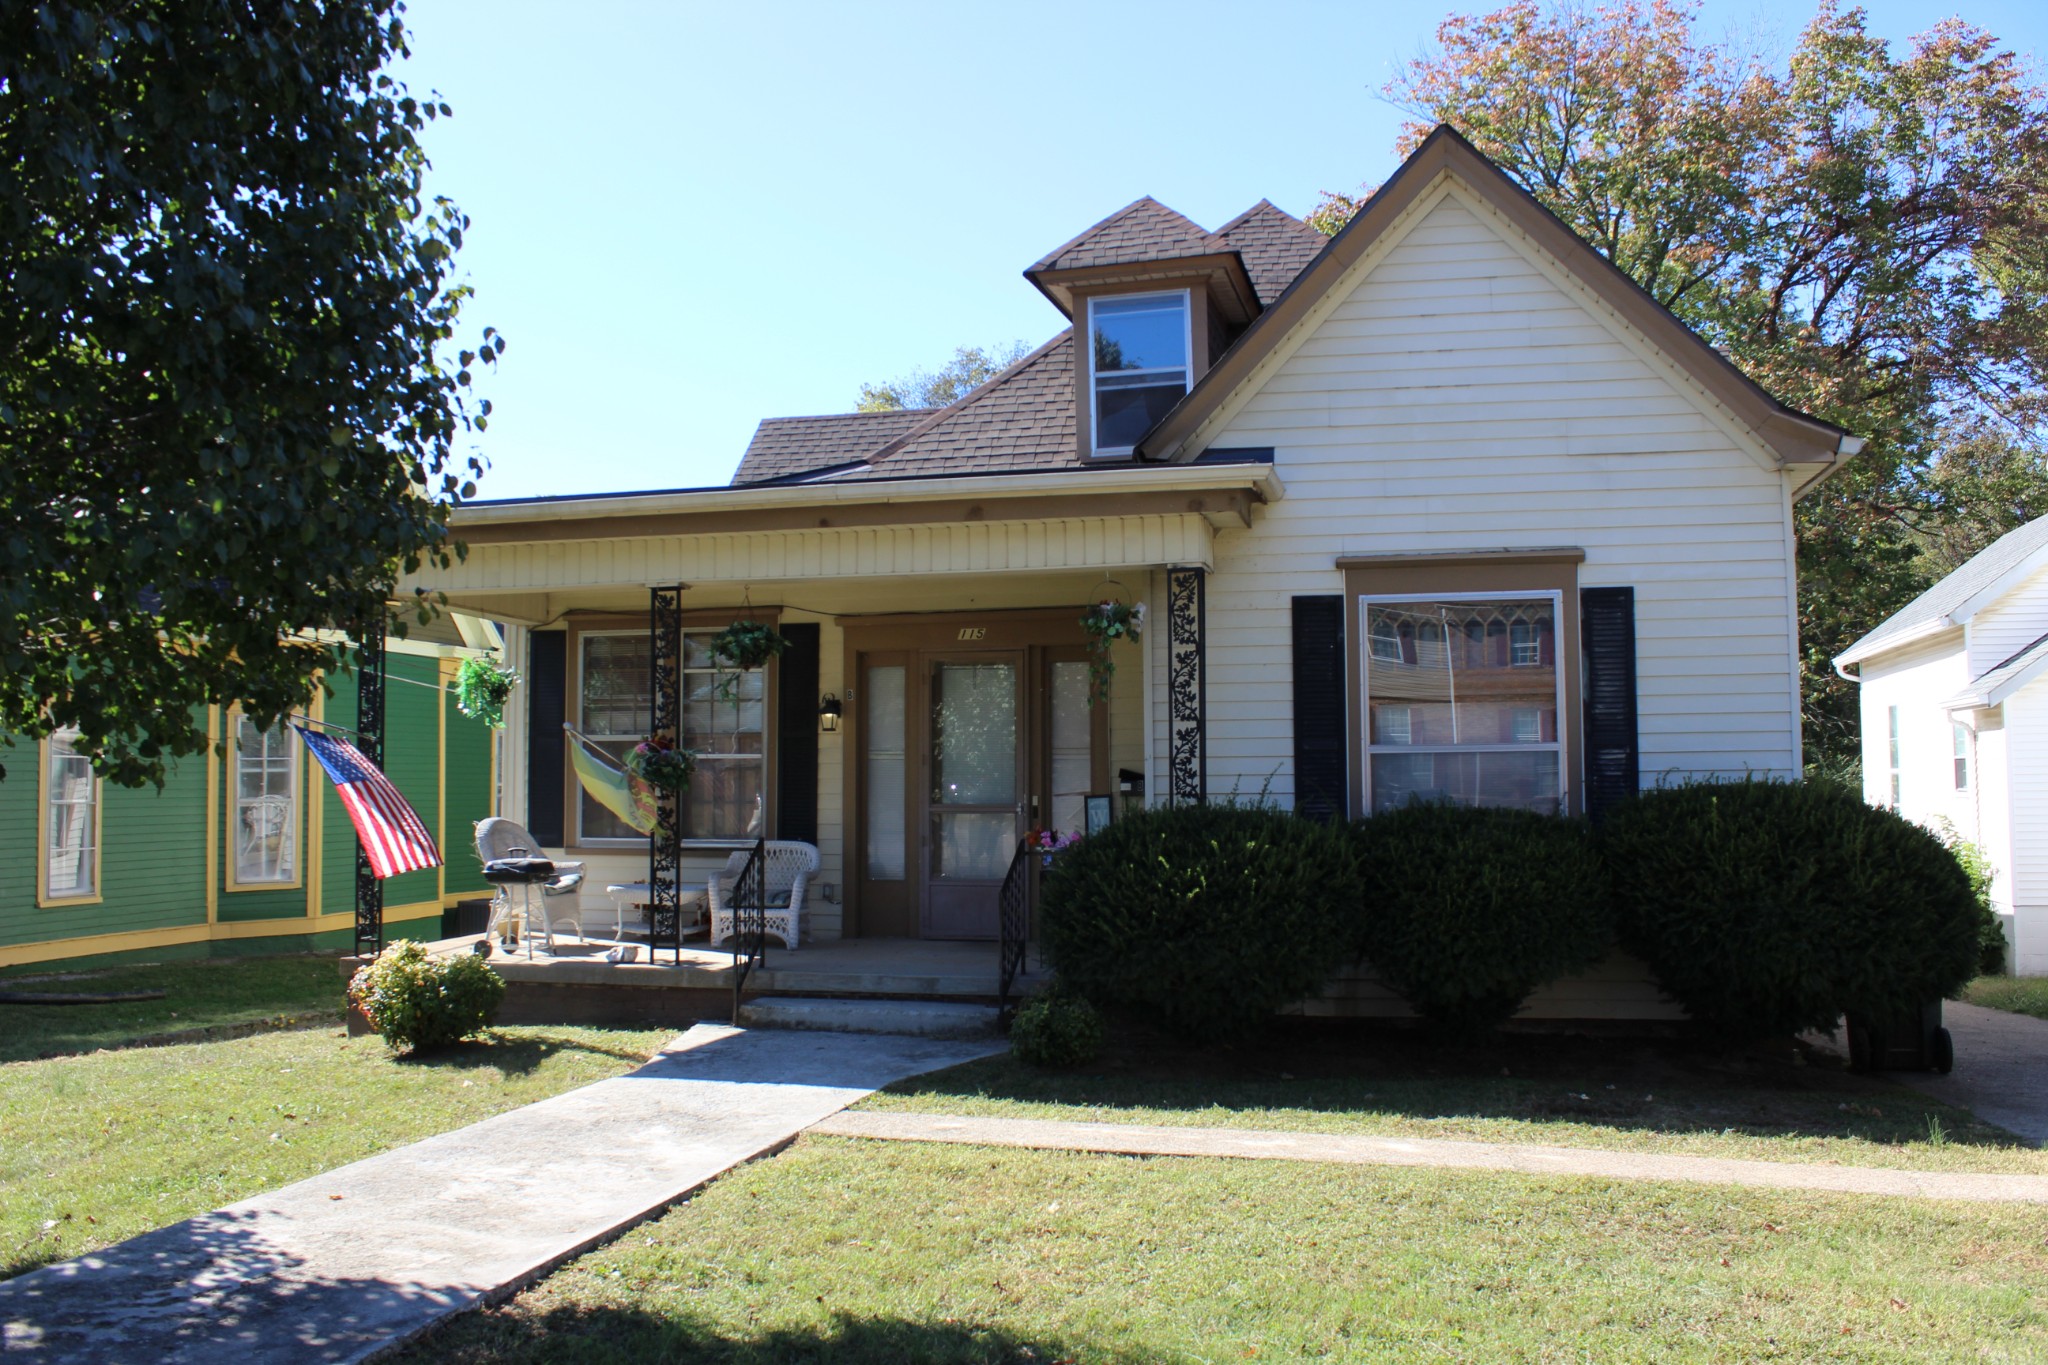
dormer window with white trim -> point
(1137, 365)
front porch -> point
(575, 985)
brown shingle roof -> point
(1021, 419)
(1276, 246)
(1144, 231)
(783, 446)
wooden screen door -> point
(975, 788)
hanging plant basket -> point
(481, 688)
(662, 765)
(1108, 621)
(748, 644)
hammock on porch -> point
(617, 790)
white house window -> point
(1892, 714)
(725, 724)
(1962, 754)
(71, 826)
(266, 805)
(1465, 706)
(1137, 363)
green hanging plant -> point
(1105, 622)
(748, 644)
(481, 688)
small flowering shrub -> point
(1056, 1030)
(420, 1001)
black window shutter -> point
(546, 700)
(1320, 754)
(1607, 621)
(796, 735)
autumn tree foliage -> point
(233, 408)
(1863, 229)
(968, 370)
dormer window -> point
(1138, 364)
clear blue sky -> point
(687, 217)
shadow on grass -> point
(1668, 1086)
(608, 1333)
(512, 1054)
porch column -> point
(1187, 738)
(369, 743)
(665, 844)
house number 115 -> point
(972, 632)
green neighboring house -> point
(247, 850)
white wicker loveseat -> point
(787, 879)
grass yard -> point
(2017, 994)
(864, 1253)
(96, 1148)
(220, 994)
(1774, 1103)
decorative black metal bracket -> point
(370, 744)
(665, 843)
(749, 922)
(1187, 729)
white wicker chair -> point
(499, 838)
(787, 878)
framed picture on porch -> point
(1098, 808)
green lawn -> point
(97, 1148)
(858, 1253)
(1776, 1102)
(221, 994)
(2019, 994)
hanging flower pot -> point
(748, 644)
(1105, 622)
(481, 688)
(661, 765)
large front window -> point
(1462, 701)
(1138, 364)
(71, 818)
(724, 720)
(266, 805)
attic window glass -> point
(1138, 363)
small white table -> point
(633, 895)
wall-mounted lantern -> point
(829, 713)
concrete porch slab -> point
(914, 1018)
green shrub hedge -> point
(1056, 1029)
(417, 1000)
(1210, 918)
(1770, 907)
(1468, 910)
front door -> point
(975, 789)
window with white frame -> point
(1961, 733)
(71, 821)
(1465, 706)
(724, 720)
(1138, 364)
(1892, 715)
(266, 804)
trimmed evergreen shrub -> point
(1770, 907)
(1467, 910)
(1209, 918)
(420, 1001)
(1056, 1029)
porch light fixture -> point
(829, 713)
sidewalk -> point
(2001, 1072)
(349, 1263)
(1523, 1159)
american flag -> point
(392, 834)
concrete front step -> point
(914, 1018)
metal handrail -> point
(1014, 921)
(749, 920)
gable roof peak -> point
(1142, 230)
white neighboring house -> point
(1955, 721)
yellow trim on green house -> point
(234, 747)
(44, 900)
(93, 945)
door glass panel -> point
(885, 723)
(974, 734)
(1071, 743)
(975, 844)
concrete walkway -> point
(348, 1263)
(2001, 1072)
(1147, 1140)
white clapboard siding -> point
(2026, 753)
(1460, 399)
(1917, 681)
(2009, 625)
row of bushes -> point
(1763, 907)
